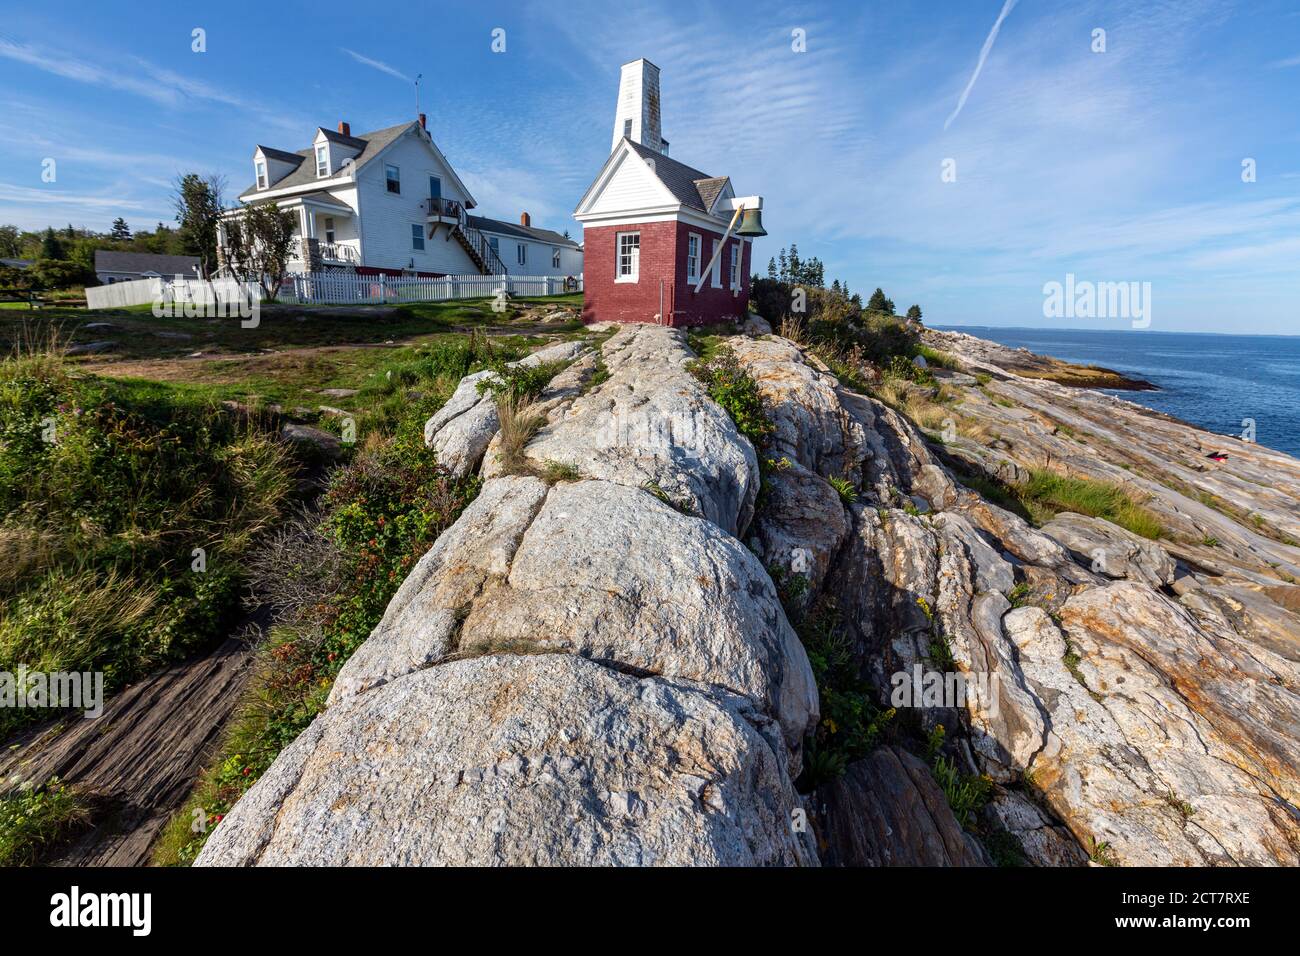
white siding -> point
(540, 256)
(386, 218)
(631, 188)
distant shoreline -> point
(1064, 328)
(1029, 364)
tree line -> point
(788, 270)
(258, 242)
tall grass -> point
(1046, 494)
(328, 575)
(34, 820)
(124, 512)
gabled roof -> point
(272, 153)
(108, 260)
(688, 188)
(710, 189)
(502, 228)
(680, 179)
(342, 140)
(370, 144)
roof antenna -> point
(418, 76)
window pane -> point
(394, 179)
(417, 236)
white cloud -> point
(379, 65)
(159, 84)
(68, 67)
(1007, 7)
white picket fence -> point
(340, 288)
(171, 292)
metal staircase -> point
(480, 250)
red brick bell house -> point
(660, 238)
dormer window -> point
(322, 160)
(259, 167)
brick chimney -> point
(423, 122)
(345, 128)
(525, 219)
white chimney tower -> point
(637, 114)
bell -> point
(751, 224)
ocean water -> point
(1214, 381)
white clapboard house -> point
(389, 203)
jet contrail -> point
(1007, 7)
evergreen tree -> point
(878, 302)
(771, 268)
(51, 248)
(120, 230)
(914, 313)
(198, 210)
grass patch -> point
(329, 575)
(36, 820)
(553, 472)
(518, 424)
(845, 488)
(1047, 493)
(127, 510)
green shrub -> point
(106, 491)
(733, 388)
(34, 820)
(845, 488)
(851, 722)
(330, 581)
(520, 383)
(967, 794)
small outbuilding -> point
(664, 242)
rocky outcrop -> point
(599, 671)
(459, 433)
(574, 673)
(887, 811)
(1157, 722)
(546, 759)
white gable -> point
(625, 184)
(726, 193)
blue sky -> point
(1115, 166)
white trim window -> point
(393, 178)
(259, 168)
(555, 257)
(417, 237)
(495, 243)
(715, 275)
(735, 267)
(693, 257)
(627, 266)
(329, 229)
(521, 253)
(322, 161)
